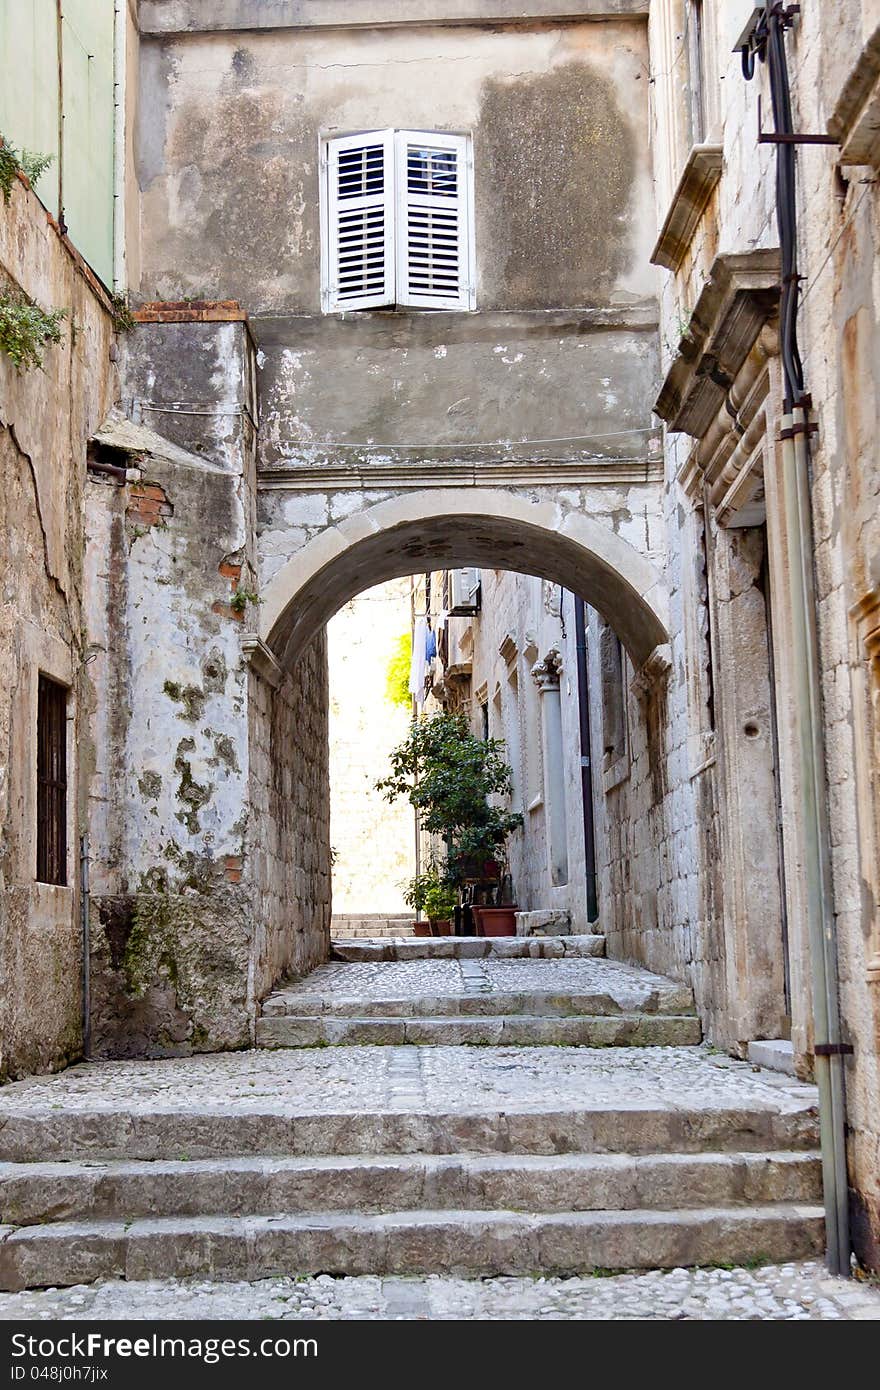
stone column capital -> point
(545, 673)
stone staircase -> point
(404, 1160)
(369, 926)
(518, 990)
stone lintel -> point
(739, 298)
(855, 120)
(166, 17)
(698, 181)
(378, 474)
(262, 659)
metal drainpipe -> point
(84, 913)
(819, 902)
(583, 682)
(768, 41)
(119, 84)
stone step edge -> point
(532, 1004)
(500, 1242)
(216, 1132)
(465, 947)
(46, 1193)
(492, 1030)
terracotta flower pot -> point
(441, 927)
(421, 928)
(498, 921)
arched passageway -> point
(449, 527)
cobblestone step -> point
(31, 1193)
(217, 1131)
(519, 1030)
(467, 948)
(536, 1004)
(411, 1242)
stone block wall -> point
(289, 831)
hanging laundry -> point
(430, 645)
(418, 666)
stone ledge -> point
(376, 473)
(740, 297)
(855, 121)
(698, 181)
(168, 17)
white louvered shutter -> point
(435, 220)
(359, 221)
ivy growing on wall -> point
(26, 330)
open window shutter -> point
(359, 241)
(435, 229)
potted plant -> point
(429, 892)
(449, 775)
(441, 901)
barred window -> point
(51, 782)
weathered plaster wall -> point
(373, 841)
(46, 417)
(228, 167)
(228, 154)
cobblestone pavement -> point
(801, 1291)
(630, 986)
(463, 1080)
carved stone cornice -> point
(546, 672)
(507, 650)
(262, 659)
(855, 120)
(653, 673)
(698, 182)
(739, 298)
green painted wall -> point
(29, 117)
(87, 167)
(29, 111)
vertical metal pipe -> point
(583, 682)
(819, 905)
(119, 88)
(84, 913)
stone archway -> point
(474, 526)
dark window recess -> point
(51, 782)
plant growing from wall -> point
(397, 673)
(33, 166)
(449, 774)
(26, 330)
(241, 598)
(123, 320)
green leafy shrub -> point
(12, 164)
(448, 774)
(431, 892)
(26, 330)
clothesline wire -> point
(468, 444)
